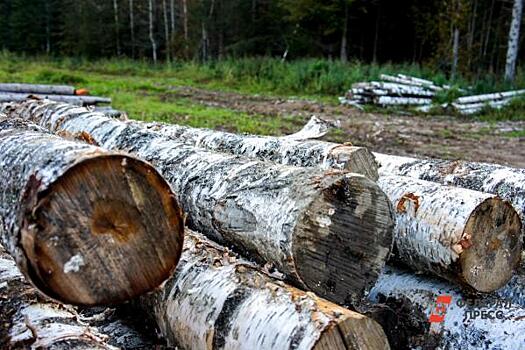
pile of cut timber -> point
(14, 92)
(400, 90)
(308, 236)
(476, 103)
(403, 90)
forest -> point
(467, 38)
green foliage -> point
(54, 77)
(146, 91)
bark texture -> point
(75, 100)
(38, 89)
(81, 222)
(514, 40)
(459, 329)
(327, 231)
(217, 301)
(506, 182)
(295, 149)
(29, 321)
(465, 236)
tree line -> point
(468, 37)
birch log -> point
(85, 226)
(489, 97)
(401, 101)
(514, 40)
(406, 81)
(327, 231)
(463, 327)
(217, 301)
(293, 149)
(38, 89)
(30, 321)
(395, 89)
(468, 237)
(75, 100)
(506, 182)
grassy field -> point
(141, 89)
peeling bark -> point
(295, 149)
(327, 231)
(37, 89)
(459, 329)
(506, 182)
(78, 220)
(31, 321)
(468, 237)
(217, 301)
(75, 100)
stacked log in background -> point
(13, 92)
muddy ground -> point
(424, 136)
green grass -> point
(143, 89)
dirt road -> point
(424, 136)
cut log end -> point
(352, 331)
(491, 245)
(357, 160)
(105, 231)
(344, 239)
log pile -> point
(435, 224)
(476, 103)
(407, 91)
(328, 231)
(400, 90)
(13, 92)
(217, 301)
(292, 239)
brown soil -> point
(424, 136)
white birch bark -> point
(295, 149)
(514, 39)
(468, 237)
(455, 53)
(395, 89)
(217, 301)
(151, 35)
(478, 107)
(64, 217)
(75, 100)
(459, 330)
(166, 30)
(37, 89)
(406, 81)
(506, 182)
(33, 322)
(401, 101)
(489, 97)
(328, 231)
